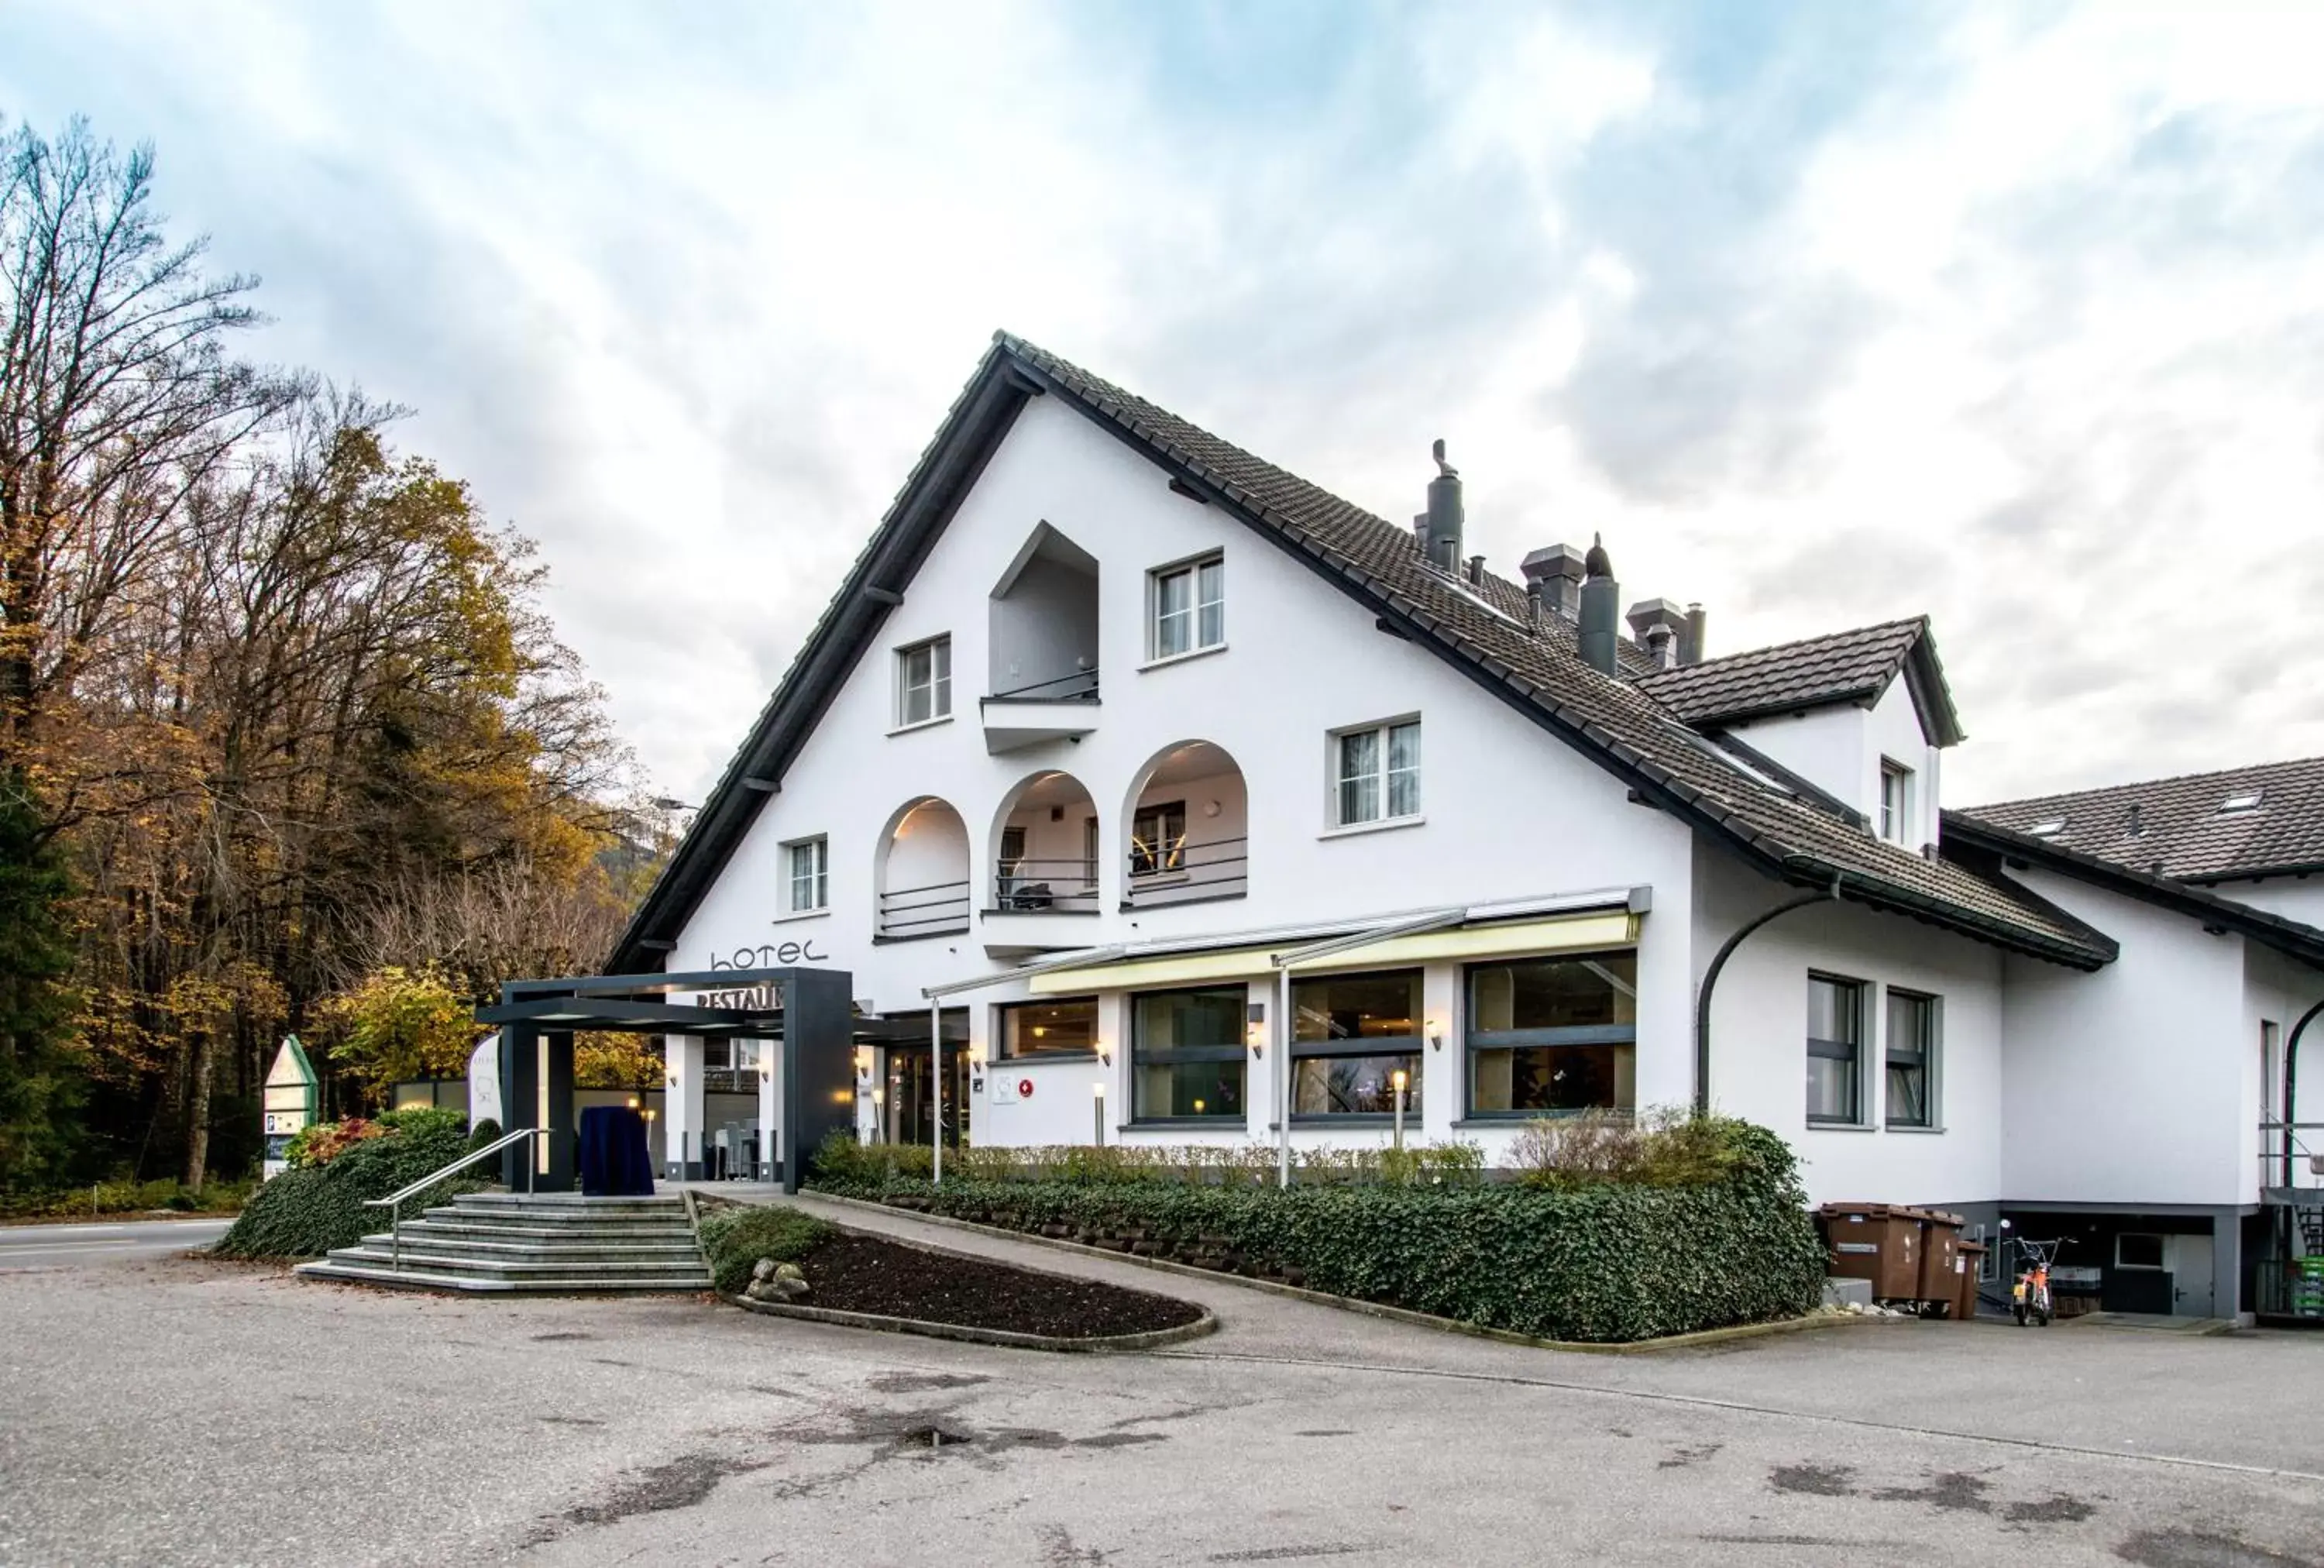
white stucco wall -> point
(1840, 749)
(1759, 1040)
(2135, 1085)
(2298, 899)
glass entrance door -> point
(912, 1095)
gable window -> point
(807, 863)
(1067, 1026)
(1352, 1035)
(1157, 839)
(1911, 1053)
(924, 682)
(1547, 1035)
(1190, 608)
(1187, 1055)
(1835, 1051)
(1376, 773)
(1896, 801)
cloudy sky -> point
(1823, 314)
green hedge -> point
(734, 1240)
(1601, 1263)
(308, 1211)
(126, 1197)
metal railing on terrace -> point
(1081, 685)
(2288, 1161)
(934, 909)
(1043, 885)
(1173, 870)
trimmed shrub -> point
(1711, 1231)
(310, 1209)
(735, 1240)
(842, 1162)
(484, 1134)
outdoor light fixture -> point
(1400, 1078)
(1104, 1054)
(1435, 1036)
(633, 1102)
(1097, 1114)
(1257, 1014)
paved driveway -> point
(201, 1412)
(108, 1242)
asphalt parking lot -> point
(195, 1412)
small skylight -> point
(2248, 801)
(2050, 829)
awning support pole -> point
(937, 1073)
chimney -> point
(1690, 640)
(1657, 624)
(1476, 571)
(1442, 518)
(1600, 598)
(1533, 605)
(1556, 574)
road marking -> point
(1705, 1402)
(74, 1248)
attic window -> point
(2050, 829)
(2244, 802)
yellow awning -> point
(1576, 933)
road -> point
(196, 1412)
(124, 1241)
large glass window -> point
(1557, 1034)
(924, 682)
(1190, 608)
(810, 878)
(1350, 1035)
(1157, 838)
(1911, 1054)
(1050, 1029)
(1377, 773)
(1835, 1050)
(1186, 1054)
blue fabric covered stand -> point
(613, 1159)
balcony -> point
(1062, 708)
(1181, 872)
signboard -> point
(288, 1102)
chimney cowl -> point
(1598, 638)
(1647, 614)
(1691, 640)
(1556, 572)
(1443, 519)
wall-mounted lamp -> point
(1257, 1030)
(1104, 1054)
(633, 1102)
(1435, 1036)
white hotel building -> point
(1117, 737)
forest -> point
(287, 742)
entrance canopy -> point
(810, 1011)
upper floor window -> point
(1157, 838)
(1896, 801)
(1190, 607)
(924, 681)
(808, 864)
(1376, 771)
(1835, 1050)
(1912, 1060)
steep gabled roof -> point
(1842, 666)
(1480, 629)
(2181, 827)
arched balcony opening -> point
(922, 875)
(1045, 848)
(1187, 831)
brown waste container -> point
(1876, 1241)
(1970, 1267)
(1939, 1257)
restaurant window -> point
(1187, 1055)
(1835, 1051)
(1351, 1034)
(1547, 1035)
(1064, 1028)
(1911, 1054)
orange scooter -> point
(2030, 1297)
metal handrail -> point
(393, 1203)
(1086, 678)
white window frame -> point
(1896, 817)
(821, 844)
(1381, 775)
(938, 685)
(1205, 633)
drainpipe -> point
(2291, 1082)
(1710, 979)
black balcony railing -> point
(925, 911)
(1081, 685)
(1028, 886)
(1175, 871)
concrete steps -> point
(555, 1242)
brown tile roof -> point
(1613, 719)
(1481, 629)
(2179, 830)
(1842, 666)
